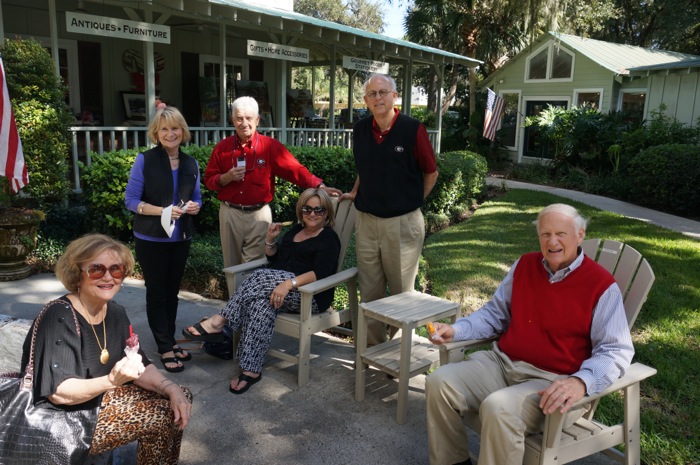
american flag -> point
(12, 164)
(494, 110)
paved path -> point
(688, 227)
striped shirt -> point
(612, 349)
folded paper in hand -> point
(166, 220)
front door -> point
(533, 144)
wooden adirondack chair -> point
(559, 445)
(303, 325)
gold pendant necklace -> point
(104, 353)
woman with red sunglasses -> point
(80, 361)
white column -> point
(222, 86)
(331, 108)
(53, 31)
(150, 72)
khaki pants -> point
(243, 233)
(502, 392)
(388, 250)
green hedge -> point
(666, 177)
(460, 182)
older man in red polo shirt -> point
(242, 170)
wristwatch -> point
(294, 284)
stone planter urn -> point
(18, 232)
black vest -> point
(158, 190)
(391, 181)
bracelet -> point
(162, 381)
(162, 391)
(294, 284)
(271, 245)
(139, 209)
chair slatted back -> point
(345, 213)
(632, 273)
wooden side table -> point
(406, 357)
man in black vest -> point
(396, 165)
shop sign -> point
(277, 51)
(118, 28)
(369, 66)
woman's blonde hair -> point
(326, 203)
(169, 116)
(81, 251)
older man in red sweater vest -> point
(563, 335)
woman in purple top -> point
(163, 189)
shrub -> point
(335, 165)
(37, 96)
(660, 129)
(461, 180)
(666, 177)
(104, 182)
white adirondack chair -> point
(557, 445)
(303, 325)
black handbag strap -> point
(28, 378)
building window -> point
(509, 123)
(552, 62)
(538, 66)
(588, 97)
(632, 104)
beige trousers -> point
(388, 250)
(502, 392)
(243, 234)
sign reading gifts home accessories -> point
(277, 51)
(115, 27)
(369, 66)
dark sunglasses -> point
(306, 210)
(98, 270)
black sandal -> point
(178, 350)
(249, 382)
(204, 335)
(176, 369)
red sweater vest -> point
(551, 322)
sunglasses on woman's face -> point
(306, 210)
(98, 270)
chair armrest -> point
(454, 351)
(248, 266)
(554, 423)
(636, 373)
(309, 290)
(329, 281)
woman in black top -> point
(80, 362)
(308, 252)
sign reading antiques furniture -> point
(115, 27)
(277, 51)
(370, 66)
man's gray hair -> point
(387, 78)
(567, 210)
(246, 105)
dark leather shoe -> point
(466, 462)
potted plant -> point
(37, 95)
(18, 235)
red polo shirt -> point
(266, 158)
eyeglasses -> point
(382, 93)
(306, 210)
(98, 270)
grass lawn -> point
(465, 263)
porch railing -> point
(86, 140)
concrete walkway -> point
(277, 422)
(675, 223)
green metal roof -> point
(620, 58)
(346, 37)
